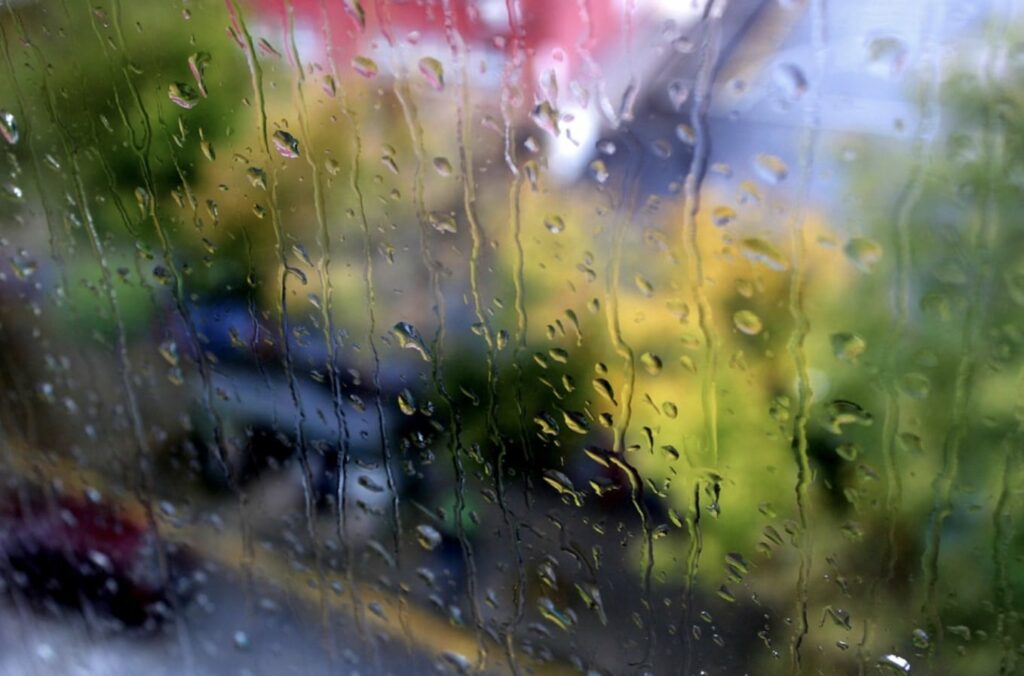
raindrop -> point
(546, 117)
(686, 134)
(863, 253)
(554, 224)
(848, 451)
(409, 338)
(915, 385)
(723, 216)
(442, 166)
(747, 322)
(9, 127)
(599, 171)
(355, 10)
(406, 402)
(433, 72)
(287, 145)
(790, 80)
(257, 177)
(760, 251)
(561, 483)
(920, 639)
(651, 362)
(770, 168)
(197, 64)
(428, 537)
(847, 346)
(444, 223)
(842, 412)
(886, 56)
(183, 94)
(365, 66)
(894, 664)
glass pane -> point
(594, 336)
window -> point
(596, 336)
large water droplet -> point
(770, 168)
(863, 253)
(9, 127)
(747, 322)
(287, 146)
(894, 664)
(183, 94)
(365, 66)
(760, 251)
(847, 346)
(428, 537)
(433, 72)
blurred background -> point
(511, 336)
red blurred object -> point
(84, 554)
(526, 32)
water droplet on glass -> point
(428, 537)
(406, 402)
(355, 10)
(9, 127)
(920, 639)
(12, 192)
(546, 117)
(287, 146)
(915, 385)
(723, 216)
(848, 451)
(444, 223)
(760, 251)
(197, 63)
(790, 80)
(886, 56)
(561, 483)
(409, 338)
(842, 412)
(747, 322)
(894, 664)
(554, 224)
(183, 94)
(442, 166)
(847, 346)
(651, 363)
(365, 66)
(599, 171)
(433, 72)
(770, 168)
(686, 134)
(864, 253)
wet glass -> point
(511, 336)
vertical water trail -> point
(1007, 506)
(692, 186)
(323, 274)
(584, 47)
(459, 52)
(511, 80)
(142, 484)
(434, 267)
(901, 299)
(626, 209)
(256, 79)
(143, 149)
(981, 240)
(341, 496)
(796, 345)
